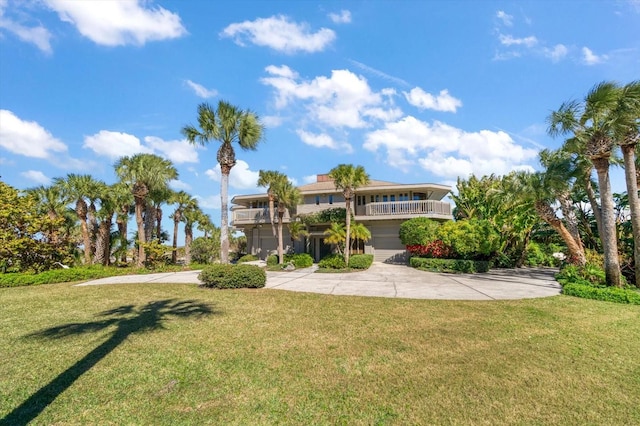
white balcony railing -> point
(418, 207)
(254, 216)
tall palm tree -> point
(628, 137)
(592, 122)
(288, 197)
(124, 201)
(144, 173)
(270, 179)
(348, 178)
(228, 125)
(104, 215)
(51, 202)
(80, 189)
(182, 200)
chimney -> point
(323, 178)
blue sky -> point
(415, 91)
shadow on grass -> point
(127, 319)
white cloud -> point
(118, 23)
(279, 33)
(209, 202)
(200, 90)
(447, 151)
(558, 52)
(591, 58)
(272, 121)
(115, 144)
(37, 35)
(423, 100)
(309, 179)
(317, 140)
(509, 40)
(36, 176)
(178, 185)
(344, 17)
(505, 18)
(27, 138)
(178, 151)
(241, 176)
(342, 100)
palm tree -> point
(144, 173)
(108, 205)
(228, 125)
(593, 123)
(297, 231)
(336, 235)
(288, 197)
(359, 232)
(270, 179)
(52, 202)
(190, 216)
(348, 178)
(124, 201)
(182, 201)
(628, 137)
(80, 189)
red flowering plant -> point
(435, 249)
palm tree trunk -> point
(347, 237)
(81, 209)
(570, 216)
(122, 230)
(595, 207)
(149, 220)
(159, 224)
(140, 203)
(628, 152)
(188, 238)
(271, 211)
(280, 243)
(608, 236)
(224, 216)
(576, 252)
(103, 246)
(174, 252)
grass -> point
(180, 355)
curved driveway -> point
(383, 280)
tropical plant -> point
(190, 216)
(229, 125)
(182, 200)
(348, 178)
(271, 179)
(297, 230)
(594, 124)
(288, 197)
(359, 232)
(336, 235)
(144, 173)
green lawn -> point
(176, 354)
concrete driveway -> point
(383, 280)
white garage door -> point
(389, 250)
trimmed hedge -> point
(607, 294)
(233, 276)
(332, 261)
(449, 265)
(360, 261)
(248, 258)
(59, 276)
(300, 260)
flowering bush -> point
(435, 249)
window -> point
(377, 198)
(372, 199)
(317, 200)
(330, 199)
(393, 198)
(385, 198)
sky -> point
(414, 91)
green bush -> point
(360, 261)
(205, 250)
(470, 239)
(590, 274)
(248, 258)
(300, 260)
(332, 261)
(418, 231)
(607, 294)
(272, 260)
(449, 265)
(233, 276)
(542, 254)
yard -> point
(176, 354)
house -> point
(380, 206)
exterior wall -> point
(262, 243)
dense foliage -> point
(335, 214)
(450, 265)
(332, 261)
(248, 258)
(360, 261)
(470, 239)
(205, 250)
(419, 231)
(225, 276)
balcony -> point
(254, 216)
(430, 208)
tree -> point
(270, 179)
(190, 216)
(182, 201)
(52, 202)
(593, 123)
(297, 230)
(359, 232)
(348, 178)
(288, 197)
(80, 189)
(144, 173)
(336, 235)
(228, 125)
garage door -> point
(389, 250)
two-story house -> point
(380, 206)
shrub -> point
(300, 260)
(360, 261)
(435, 249)
(205, 250)
(332, 261)
(542, 254)
(607, 294)
(233, 276)
(272, 260)
(470, 239)
(418, 231)
(449, 265)
(248, 258)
